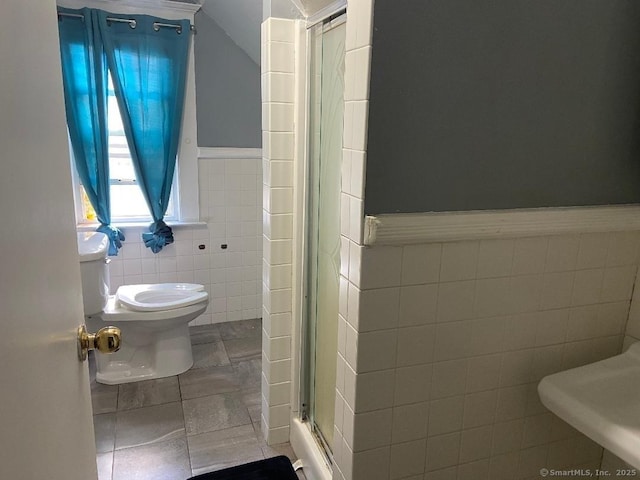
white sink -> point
(602, 400)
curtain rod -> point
(132, 23)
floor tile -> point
(241, 328)
(204, 334)
(247, 348)
(249, 373)
(147, 425)
(223, 448)
(215, 412)
(201, 382)
(104, 398)
(252, 397)
(91, 360)
(210, 355)
(255, 411)
(220, 412)
(257, 427)
(281, 449)
(104, 427)
(148, 393)
(167, 460)
(105, 465)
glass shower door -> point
(325, 155)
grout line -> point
(184, 423)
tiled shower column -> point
(441, 345)
(278, 156)
(349, 462)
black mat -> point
(276, 468)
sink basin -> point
(602, 400)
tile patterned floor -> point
(206, 419)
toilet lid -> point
(160, 296)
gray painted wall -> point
(228, 98)
(482, 104)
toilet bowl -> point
(160, 296)
(153, 318)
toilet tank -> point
(94, 270)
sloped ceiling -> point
(307, 8)
(240, 19)
(314, 6)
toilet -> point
(153, 318)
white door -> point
(45, 406)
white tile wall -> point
(467, 343)
(231, 205)
(440, 346)
(277, 216)
(463, 332)
(476, 326)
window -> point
(127, 202)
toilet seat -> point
(160, 296)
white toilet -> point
(153, 319)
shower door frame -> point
(306, 362)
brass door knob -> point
(106, 340)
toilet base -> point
(145, 354)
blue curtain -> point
(84, 73)
(148, 64)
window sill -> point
(90, 227)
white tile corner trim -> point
(229, 152)
(413, 228)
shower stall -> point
(325, 75)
